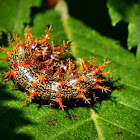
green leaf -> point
(109, 119)
(129, 11)
(15, 13)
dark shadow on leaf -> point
(71, 116)
(2, 68)
(35, 10)
(95, 15)
(104, 96)
(4, 40)
(11, 118)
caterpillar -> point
(38, 68)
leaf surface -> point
(116, 118)
(129, 11)
(15, 13)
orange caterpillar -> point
(37, 67)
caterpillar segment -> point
(37, 67)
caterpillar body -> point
(38, 68)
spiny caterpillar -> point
(38, 68)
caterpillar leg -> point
(50, 104)
(11, 87)
(32, 93)
(106, 89)
(81, 95)
(6, 76)
(94, 96)
(59, 101)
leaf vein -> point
(128, 106)
(118, 126)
